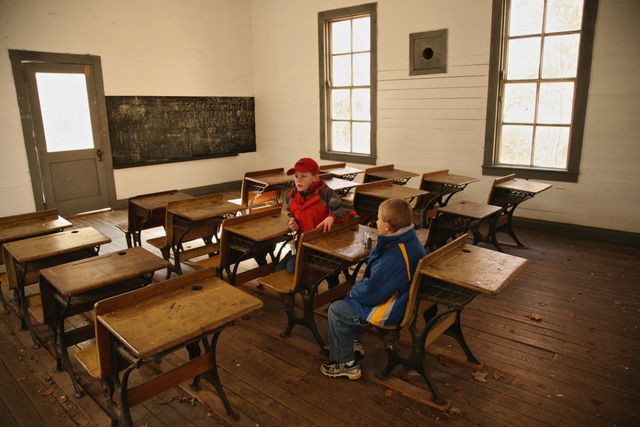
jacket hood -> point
(403, 235)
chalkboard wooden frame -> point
(149, 130)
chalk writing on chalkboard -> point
(147, 130)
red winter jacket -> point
(311, 207)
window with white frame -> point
(348, 83)
(535, 115)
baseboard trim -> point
(194, 191)
(580, 231)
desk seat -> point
(281, 281)
(90, 361)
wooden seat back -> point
(155, 220)
(367, 172)
(362, 202)
(422, 202)
(333, 166)
(46, 214)
(247, 197)
(492, 200)
(196, 232)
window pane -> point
(361, 70)
(341, 72)
(340, 104)
(340, 37)
(525, 17)
(560, 57)
(361, 137)
(361, 34)
(515, 147)
(551, 147)
(523, 59)
(555, 103)
(519, 102)
(65, 111)
(563, 15)
(361, 104)
(340, 135)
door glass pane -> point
(65, 111)
(560, 57)
(555, 103)
(525, 17)
(523, 58)
(361, 137)
(340, 136)
(361, 34)
(515, 148)
(361, 102)
(340, 104)
(551, 147)
(341, 70)
(361, 69)
(519, 102)
(563, 15)
(340, 37)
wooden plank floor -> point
(578, 365)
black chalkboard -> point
(147, 130)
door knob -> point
(99, 152)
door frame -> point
(18, 57)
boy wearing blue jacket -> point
(381, 297)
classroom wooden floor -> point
(560, 346)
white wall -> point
(147, 47)
(438, 121)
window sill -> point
(535, 173)
(346, 157)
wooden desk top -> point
(22, 229)
(480, 269)
(347, 244)
(451, 179)
(159, 201)
(520, 184)
(392, 174)
(337, 184)
(85, 275)
(271, 179)
(262, 228)
(207, 209)
(161, 319)
(470, 209)
(50, 245)
(340, 170)
(393, 191)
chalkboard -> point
(147, 130)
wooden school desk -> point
(367, 197)
(441, 185)
(453, 220)
(259, 182)
(189, 216)
(31, 255)
(17, 227)
(341, 170)
(253, 236)
(379, 173)
(320, 255)
(339, 185)
(73, 288)
(148, 211)
(508, 192)
(148, 323)
(449, 279)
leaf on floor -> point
(453, 410)
(535, 316)
(480, 376)
(388, 392)
(497, 375)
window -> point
(347, 45)
(539, 76)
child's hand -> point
(293, 224)
(326, 224)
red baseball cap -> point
(305, 164)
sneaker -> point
(358, 351)
(350, 370)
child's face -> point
(384, 228)
(304, 180)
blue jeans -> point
(288, 262)
(345, 326)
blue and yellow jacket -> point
(381, 296)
